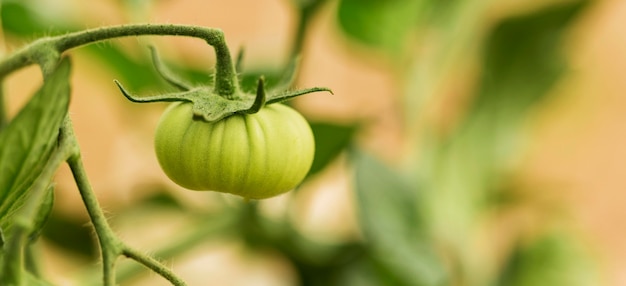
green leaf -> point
(248, 80)
(25, 19)
(138, 73)
(392, 223)
(554, 258)
(27, 141)
(330, 141)
(70, 235)
(43, 214)
(381, 24)
(18, 19)
(32, 280)
(523, 58)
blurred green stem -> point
(307, 10)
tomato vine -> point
(211, 102)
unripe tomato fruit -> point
(255, 156)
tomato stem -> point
(45, 50)
(110, 244)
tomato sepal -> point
(212, 107)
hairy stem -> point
(153, 265)
(110, 245)
(46, 52)
(209, 226)
(39, 51)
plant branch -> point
(110, 244)
(40, 50)
(208, 226)
(153, 265)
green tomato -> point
(255, 156)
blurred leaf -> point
(364, 272)
(330, 141)
(249, 79)
(523, 58)
(135, 73)
(316, 263)
(389, 216)
(161, 198)
(304, 4)
(381, 24)
(2, 250)
(70, 234)
(552, 259)
(43, 214)
(26, 143)
(22, 19)
(277, 79)
(140, 73)
(18, 19)
(32, 280)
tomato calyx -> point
(211, 106)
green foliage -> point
(32, 280)
(330, 140)
(22, 18)
(522, 60)
(393, 225)
(418, 224)
(459, 174)
(43, 214)
(385, 25)
(27, 141)
(554, 258)
(70, 234)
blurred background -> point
(466, 143)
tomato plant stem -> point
(40, 51)
(154, 265)
(110, 244)
(209, 226)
